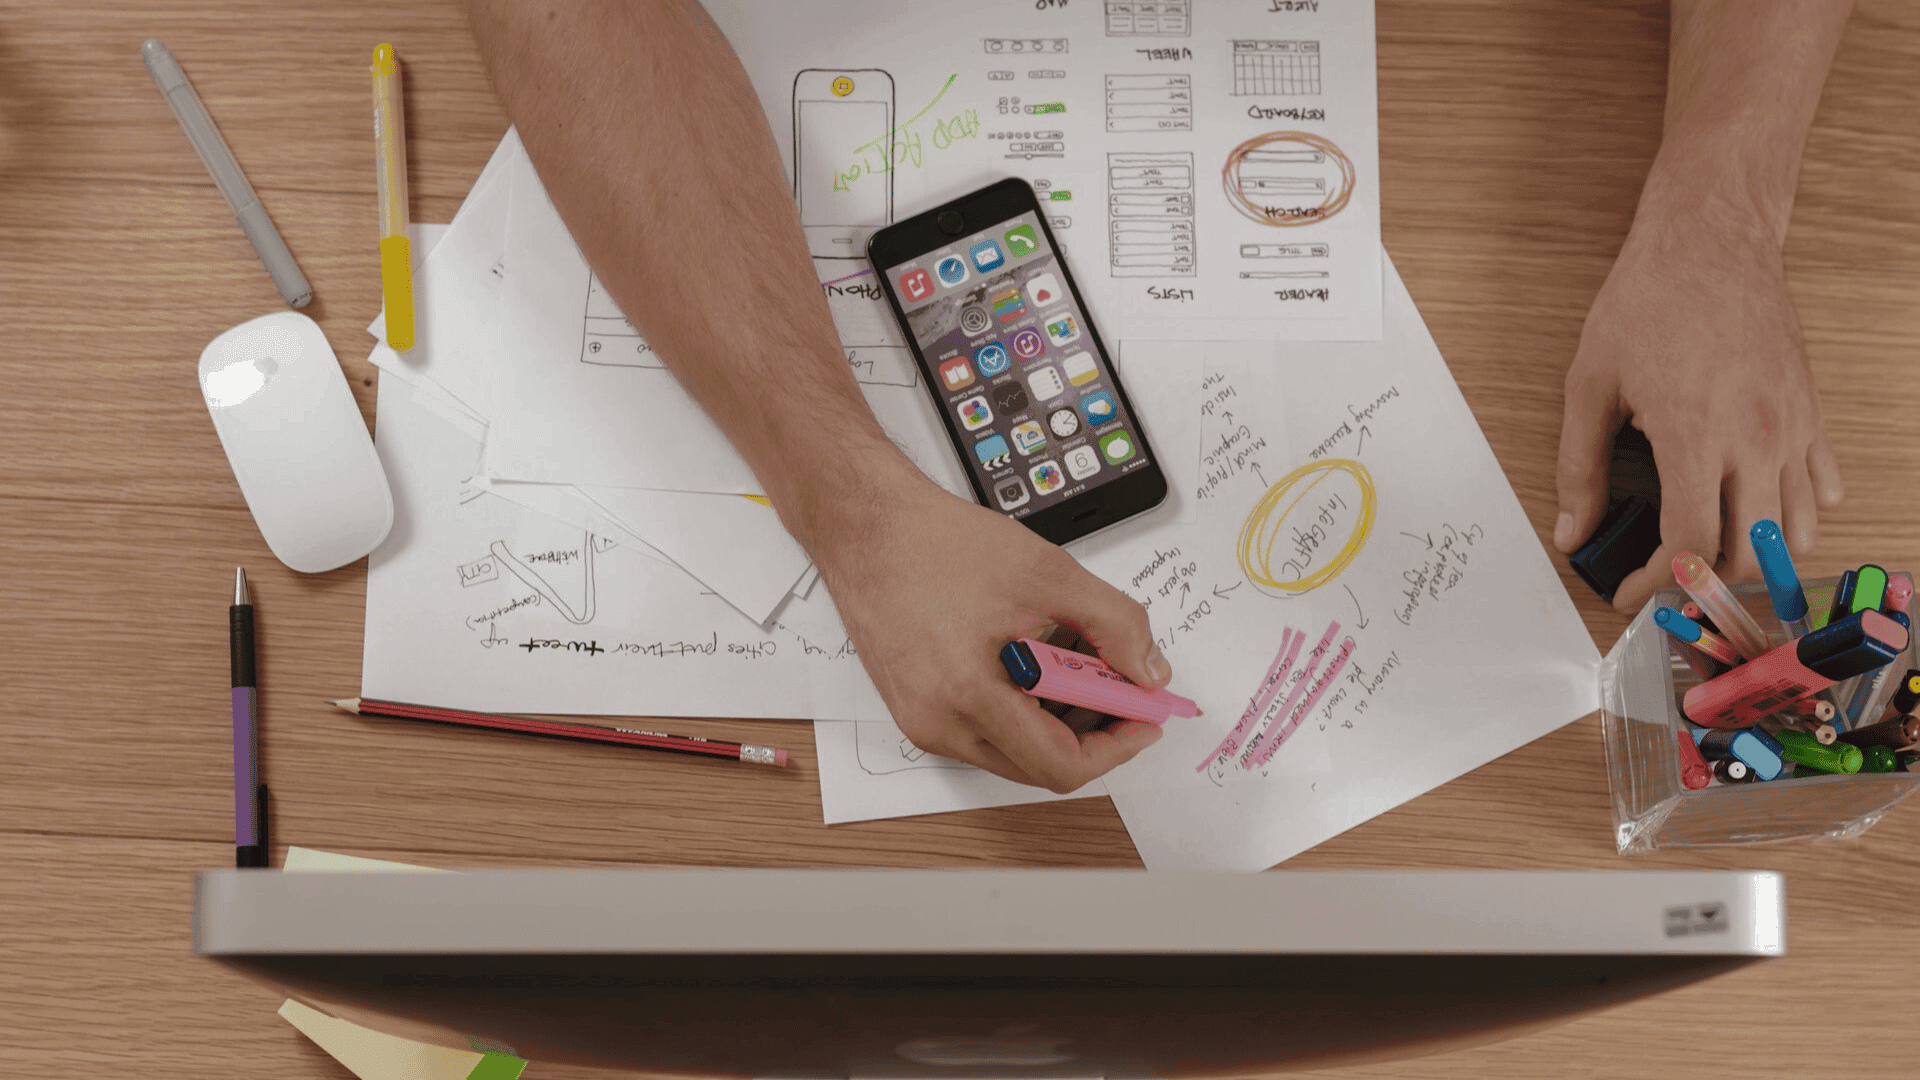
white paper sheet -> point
(872, 770)
(1464, 643)
(1183, 147)
(474, 602)
(582, 399)
(727, 538)
(733, 547)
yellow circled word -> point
(841, 87)
(1263, 527)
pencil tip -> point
(239, 585)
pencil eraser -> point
(1627, 537)
(780, 758)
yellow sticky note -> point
(299, 858)
(374, 1055)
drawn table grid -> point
(1149, 18)
(1276, 68)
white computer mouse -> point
(297, 444)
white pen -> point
(226, 172)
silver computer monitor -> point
(977, 973)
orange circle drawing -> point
(1255, 189)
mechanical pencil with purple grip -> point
(250, 845)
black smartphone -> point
(1017, 371)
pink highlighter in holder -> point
(1054, 674)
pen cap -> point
(1853, 646)
(214, 153)
(1869, 588)
(1899, 593)
(1622, 543)
(1670, 620)
(1018, 659)
(1842, 597)
(390, 141)
(1776, 568)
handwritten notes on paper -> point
(477, 602)
(1209, 173)
(1362, 609)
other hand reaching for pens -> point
(931, 587)
(1694, 340)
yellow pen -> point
(390, 142)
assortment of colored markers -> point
(1805, 708)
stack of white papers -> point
(575, 535)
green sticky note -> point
(498, 1067)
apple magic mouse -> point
(297, 444)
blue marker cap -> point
(1670, 620)
(1844, 649)
(1751, 746)
(1776, 566)
(1622, 543)
(1020, 663)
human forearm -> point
(651, 143)
(1693, 337)
(1743, 83)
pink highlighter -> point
(1837, 651)
(1044, 671)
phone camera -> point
(951, 222)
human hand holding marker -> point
(931, 588)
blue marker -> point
(1708, 642)
(1783, 582)
(1759, 751)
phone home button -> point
(951, 222)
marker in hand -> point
(1055, 674)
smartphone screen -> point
(1024, 384)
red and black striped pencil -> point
(646, 740)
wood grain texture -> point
(1514, 137)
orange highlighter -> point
(390, 147)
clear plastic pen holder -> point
(1641, 685)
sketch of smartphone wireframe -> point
(842, 151)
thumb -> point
(1591, 419)
(1114, 625)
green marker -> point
(1061, 196)
(1869, 589)
(1878, 759)
(1803, 749)
(1049, 107)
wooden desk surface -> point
(1514, 137)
